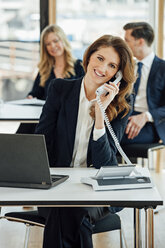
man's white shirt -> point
(141, 98)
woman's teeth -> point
(99, 74)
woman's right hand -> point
(113, 90)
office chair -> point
(29, 218)
(144, 151)
(32, 218)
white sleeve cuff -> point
(98, 133)
(149, 116)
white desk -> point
(22, 113)
(73, 193)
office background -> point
(83, 21)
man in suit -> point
(147, 122)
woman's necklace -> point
(58, 71)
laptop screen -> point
(23, 159)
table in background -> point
(12, 116)
(21, 113)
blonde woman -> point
(56, 61)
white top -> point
(141, 98)
(83, 131)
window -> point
(19, 46)
(20, 20)
(86, 20)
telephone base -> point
(139, 181)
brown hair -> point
(141, 30)
(47, 61)
(126, 66)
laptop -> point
(24, 162)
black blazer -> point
(58, 124)
(41, 92)
(156, 95)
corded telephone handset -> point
(101, 89)
(99, 92)
(117, 177)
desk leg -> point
(137, 228)
(149, 228)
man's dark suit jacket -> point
(58, 124)
(156, 95)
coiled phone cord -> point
(124, 156)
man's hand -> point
(29, 97)
(135, 124)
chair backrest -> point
(140, 150)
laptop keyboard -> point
(55, 178)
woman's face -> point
(103, 65)
(54, 45)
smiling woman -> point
(107, 66)
(101, 68)
(56, 61)
(76, 135)
(54, 45)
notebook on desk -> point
(24, 162)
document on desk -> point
(138, 178)
(32, 102)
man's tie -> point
(139, 72)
